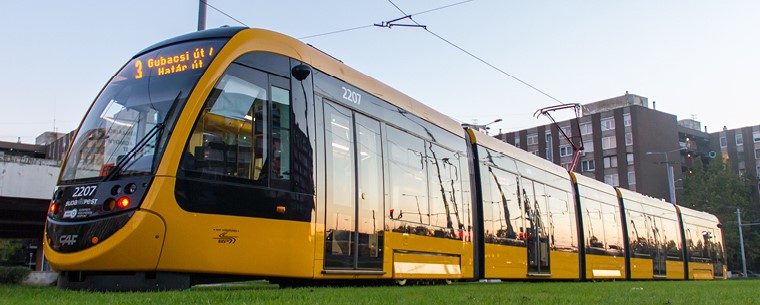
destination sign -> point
(178, 62)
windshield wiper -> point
(133, 152)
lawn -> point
(690, 293)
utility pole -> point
(741, 242)
(201, 15)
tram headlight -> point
(131, 188)
(123, 202)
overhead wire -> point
(411, 17)
(372, 25)
(223, 13)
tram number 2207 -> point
(352, 96)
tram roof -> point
(595, 184)
(265, 40)
(519, 154)
(690, 213)
(644, 199)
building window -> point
(566, 151)
(588, 165)
(586, 128)
(566, 166)
(629, 158)
(534, 152)
(739, 139)
(628, 139)
(631, 178)
(588, 146)
(532, 139)
(517, 140)
(608, 124)
(549, 154)
(609, 142)
(566, 130)
(610, 162)
(740, 156)
(627, 119)
(723, 142)
(756, 136)
(612, 179)
(757, 153)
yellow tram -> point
(242, 153)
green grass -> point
(651, 292)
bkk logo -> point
(223, 238)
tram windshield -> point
(125, 130)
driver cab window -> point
(243, 132)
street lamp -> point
(669, 168)
(479, 127)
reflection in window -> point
(594, 227)
(639, 234)
(612, 228)
(280, 133)
(562, 229)
(408, 177)
(503, 208)
(445, 188)
(229, 138)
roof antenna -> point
(577, 147)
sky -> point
(696, 58)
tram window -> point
(229, 136)
(611, 218)
(595, 242)
(562, 228)
(639, 234)
(500, 194)
(695, 243)
(671, 238)
(408, 178)
(280, 133)
(444, 187)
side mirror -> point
(301, 72)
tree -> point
(8, 248)
(715, 189)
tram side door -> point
(659, 253)
(354, 189)
(534, 200)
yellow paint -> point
(674, 270)
(642, 268)
(505, 262)
(564, 265)
(700, 271)
(136, 247)
(511, 262)
(432, 245)
(473, 138)
(604, 264)
(261, 246)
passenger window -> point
(232, 138)
(280, 133)
(229, 138)
(408, 178)
(612, 229)
(639, 234)
(444, 188)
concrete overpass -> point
(26, 187)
